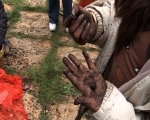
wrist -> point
(94, 18)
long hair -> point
(135, 15)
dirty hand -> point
(81, 25)
(87, 80)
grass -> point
(48, 78)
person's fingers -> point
(71, 67)
(73, 16)
(89, 61)
(88, 102)
(69, 75)
(88, 16)
(91, 34)
(88, 37)
(85, 33)
(78, 64)
(75, 10)
(78, 33)
(68, 21)
(76, 24)
(74, 80)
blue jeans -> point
(54, 6)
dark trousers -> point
(54, 6)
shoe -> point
(67, 30)
(6, 47)
(52, 27)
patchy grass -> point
(35, 9)
(48, 78)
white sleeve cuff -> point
(114, 106)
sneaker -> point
(67, 30)
(52, 27)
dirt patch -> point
(66, 39)
(87, 45)
(26, 52)
(34, 3)
(31, 104)
(32, 23)
(65, 51)
(7, 7)
(64, 111)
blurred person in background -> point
(54, 8)
(3, 29)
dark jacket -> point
(3, 23)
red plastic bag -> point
(11, 106)
(84, 3)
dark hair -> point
(135, 15)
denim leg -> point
(54, 6)
(67, 8)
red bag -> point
(11, 106)
(84, 3)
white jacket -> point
(132, 100)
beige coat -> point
(132, 100)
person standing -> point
(117, 85)
(54, 7)
(3, 30)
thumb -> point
(70, 18)
(88, 102)
(75, 9)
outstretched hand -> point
(81, 25)
(87, 80)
